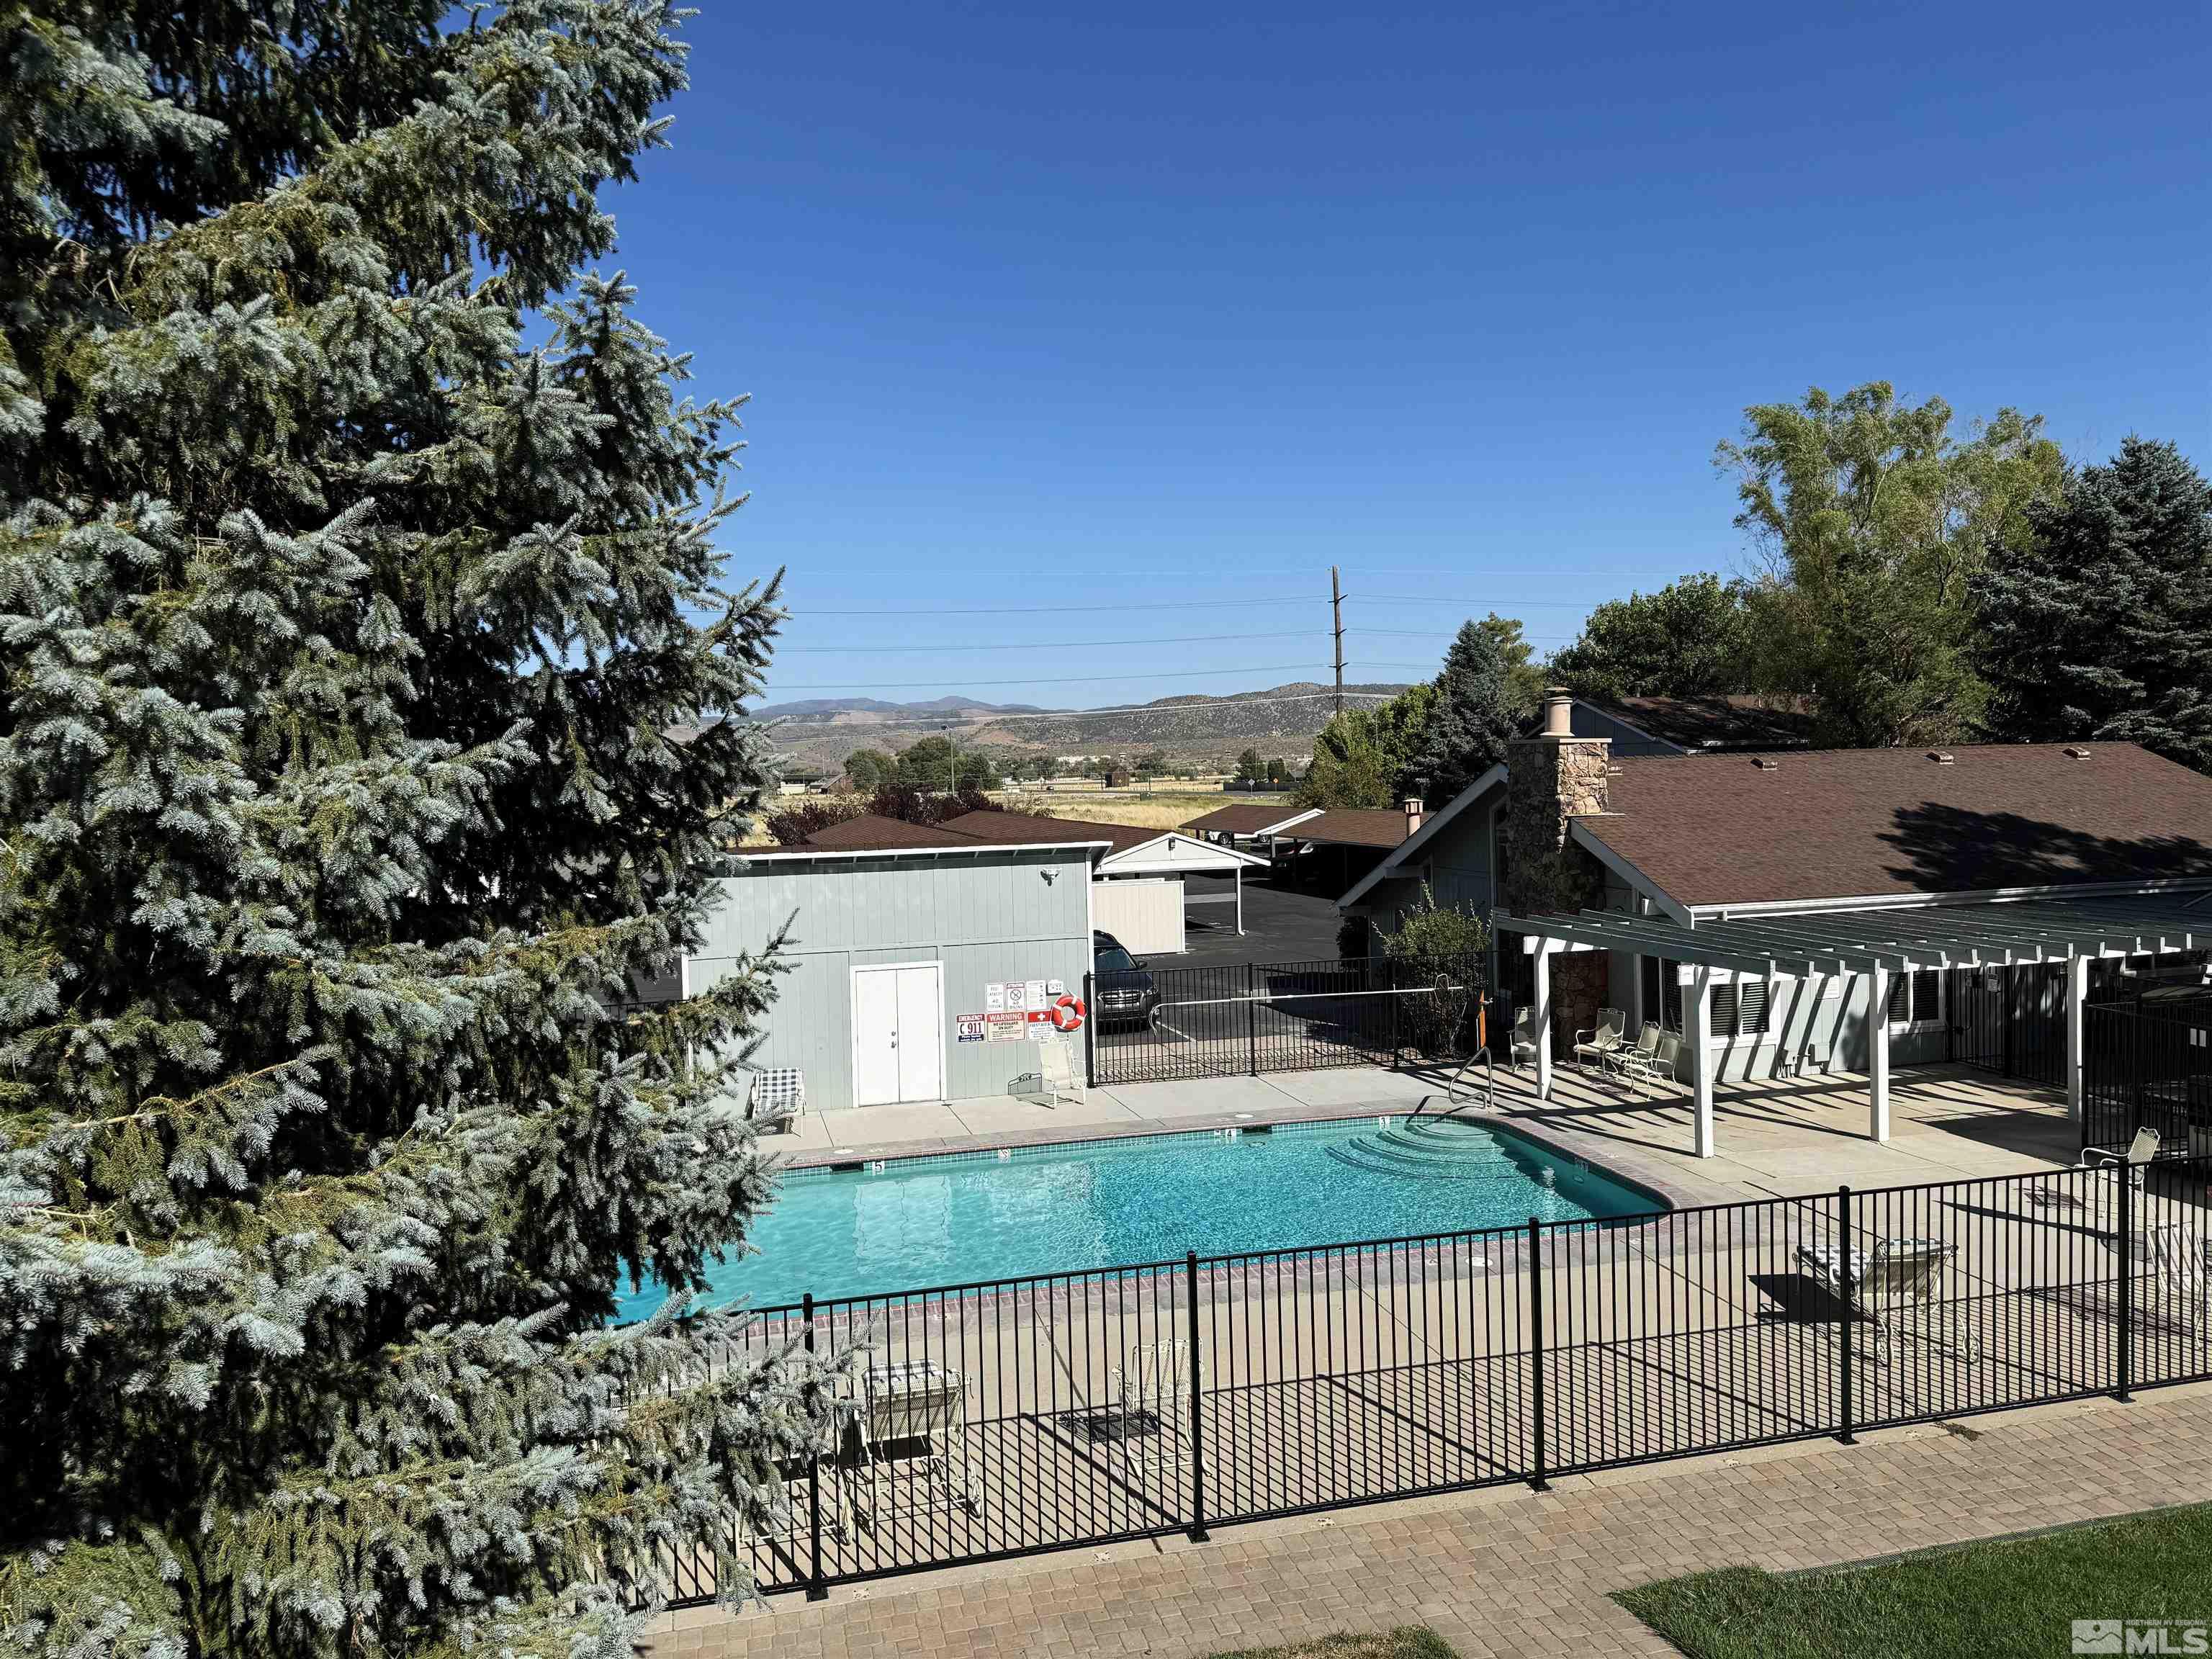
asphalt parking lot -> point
(1280, 925)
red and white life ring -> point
(1068, 1012)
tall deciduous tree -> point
(1475, 719)
(1878, 519)
(368, 732)
(1691, 639)
(1359, 756)
(2099, 623)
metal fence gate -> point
(1278, 1017)
(2011, 1021)
(2149, 1065)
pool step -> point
(1438, 1149)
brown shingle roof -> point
(870, 833)
(1244, 818)
(1032, 828)
(1870, 822)
(873, 832)
(1383, 827)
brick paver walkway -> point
(1508, 1572)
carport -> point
(1867, 945)
(1163, 861)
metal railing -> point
(1007, 1417)
(1174, 1023)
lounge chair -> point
(1598, 1044)
(2178, 1262)
(1898, 1287)
(914, 1402)
(778, 1096)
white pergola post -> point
(1237, 875)
(1878, 1053)
(1541, 1025)
(1701, 1044)
(2077, 994)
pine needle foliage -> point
(370, 727)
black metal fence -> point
(2011, 1021)
(2147, 1064)
(1171, 1023)
(1001, 1419)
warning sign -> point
(968, 1027)
(1006, 1027)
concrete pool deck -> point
(1774, 1139)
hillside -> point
(1281, 719)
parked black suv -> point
(1123, 993)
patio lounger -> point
(913, 1401)
(2177, 1260)
(1599, 1043)
(777, 1097)
(1900, 1283)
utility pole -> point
(1336, 621)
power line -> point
(939, 722)
(801, 612)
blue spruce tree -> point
(369, 729)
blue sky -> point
(1176, 306)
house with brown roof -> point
(1247, 824)
(1822, 911)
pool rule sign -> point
(1015, 1009)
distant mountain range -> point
(818, 707)
(1196, 726)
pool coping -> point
(1670, 1193)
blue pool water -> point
(917, 1222)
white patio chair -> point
(2141, 1152)
(1150, 1399)
(1059, 1077)
(901, 1404)
(1644, 1049)
(1524, 1038)
(1659, 1066)
(1599, 1044)
(777, 1097)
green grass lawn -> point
(2004, 1597)
(1409, 1642)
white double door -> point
(898, 1033)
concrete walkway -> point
(1510, 1572)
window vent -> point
(1767, 763)
(1942, 756)
(2075, 751)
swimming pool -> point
(910, 1223)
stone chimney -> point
(1553, 779)
(1412, 808)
